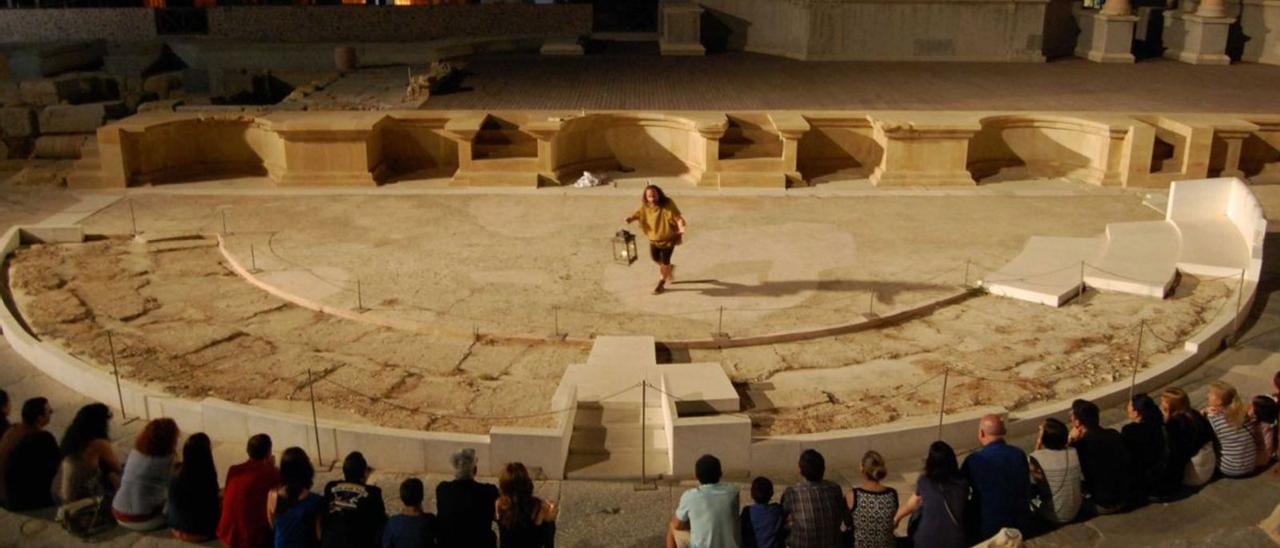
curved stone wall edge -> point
(388, 448)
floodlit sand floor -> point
(504, 262)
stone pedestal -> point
(1258, 21)
(1105, 38)
(1196, 39)
(924, 149)
(680, 28)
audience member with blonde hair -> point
(873, 505)
(1191, 456)
(1237, 455)
(148, 469)
(523, 519)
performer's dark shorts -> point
(661, 255)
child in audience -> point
(1262, 425)
(763, 523)
(412, 528)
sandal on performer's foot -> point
(660, 287)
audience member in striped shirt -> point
(1227, 414)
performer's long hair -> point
(661, 196)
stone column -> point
(710, 132)
(1118, 7)
(791, 126)
(1106, 36)
(1212, 8)
(680, 28)
(1197, 38)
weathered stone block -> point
(60, 147)
(9, 94)
(163, 84)
(84, 118)
(17, 122)
(72, 88)
(162, 105)
(50, 59)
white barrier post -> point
(315, 421)
(253, 260)
(111, 346)
(966, 272)
(359, 297)
(871, 303)
(942, 408)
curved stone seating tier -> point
(772, 149)
(1213, 227)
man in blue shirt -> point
(709, 512)
(998, 474)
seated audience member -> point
(763, 523)
(709, 512)
(1056, 475)
(140, 501)
(412, 528)
(355, 512)
(1262, 420)
(89, 464)
(5, 409)
(1144, 439)
(293, 511)
(815, 507)
(938, 503)
(873, 505)
(194, 506)
(998, 475)
(243, 523)
(1190, 438)
(1227, 414)
(29, 459)
(465, 506)
(524, 521)
(1104, 461)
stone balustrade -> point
(712, 149)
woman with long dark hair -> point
(292, 509)
(194, 504)
(940, 496)
(1144, 438)
(664, 226)
(89, 464)
(524, 521)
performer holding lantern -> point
(664, 226)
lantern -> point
(624, 247)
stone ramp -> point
(1047, 271)
(1140, 258)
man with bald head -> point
(999, 475)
